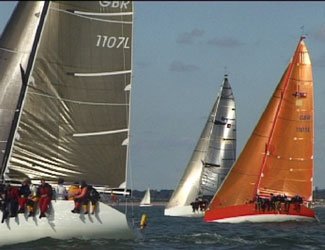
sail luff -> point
(128, 162)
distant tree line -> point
(156, 195)
(319, 194)
(165, 194)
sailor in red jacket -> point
(45, 194)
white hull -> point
(184, 211)
(266, 218)
(61, 223)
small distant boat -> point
(211, 159)
(278, 159)
(146, 200)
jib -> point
(114, 4)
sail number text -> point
(114, 4)
(113, 42)
(303, 129)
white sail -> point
(146, 200)
(211, 160)
(66, 72)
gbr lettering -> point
(114, 4)
(113, 42)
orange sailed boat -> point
(278, 158)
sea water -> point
(193, 233)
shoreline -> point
(137, 203)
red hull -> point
(248, 210)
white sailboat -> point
(146, 200)
(65, 90)
(211, 160)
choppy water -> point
(192, 233)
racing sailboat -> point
(146, 200)
(211, 160)
(278, 159)
(65, 90)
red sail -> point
(278, 157)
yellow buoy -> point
(144, 221)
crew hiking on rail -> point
(278, 203)
(30, 198)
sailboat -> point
(65, 84)
(146, 200)
(278, 159)
(211, 159)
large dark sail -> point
(75, 118)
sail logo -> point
(114, 4)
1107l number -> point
(113, 42)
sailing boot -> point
(85, 209)
(93, 209)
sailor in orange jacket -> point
(81, 199)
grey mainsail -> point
(74, 122)
(214, 153)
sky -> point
(181, 51)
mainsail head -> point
(74, 122)
(279, 155)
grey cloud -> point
(189, 37)
(320, 61)
(142, 64)
(178, 66)
(227, 42)
(320, 34)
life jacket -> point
(46, 189)
(93, 193)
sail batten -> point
(101, 132)
(103, 73)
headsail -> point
(16, 46)
(279, 156)
(75, 118)
(213, 155)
